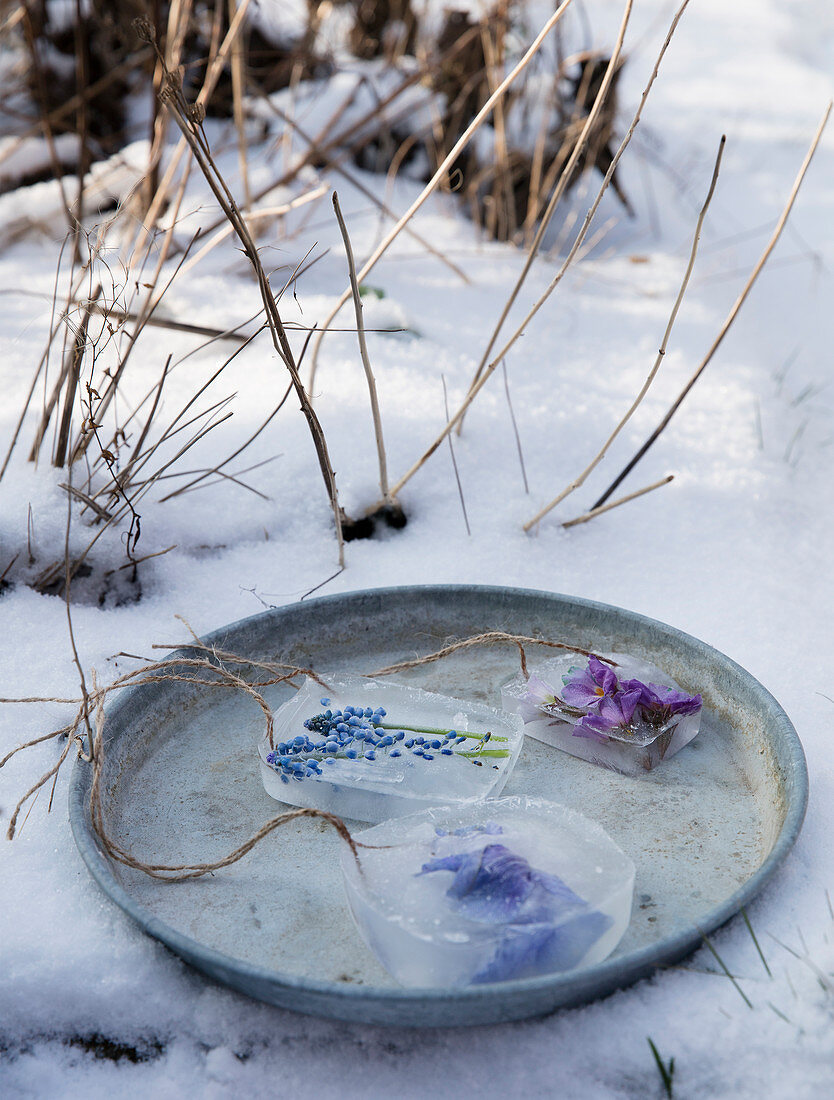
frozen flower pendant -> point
(511, 888)
(627, 715)
(372, 750)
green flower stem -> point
(438, 732)
(485, 752)
(320, 756)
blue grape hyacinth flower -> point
(362, 734)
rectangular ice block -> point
(619, 712)
(372, 750)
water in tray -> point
(370, 750)
(509, 888)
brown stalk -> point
(599, 509)
(253, 216)
(440, 173)
(238, 82)
(67, 582)
(561, 187)
(739, 302)
(218, 469)
(189, 121)
(217, 61)
(335, 166)
(43, 100)
(321, 149)
(580, 237)
(442, 169)
(64, 326)
(580, 480)
(363, 352)
(81, 81)
(72, 373)
(54, 326)
(152, 302)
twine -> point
(167, 670)
(183, 872)
(490, 638)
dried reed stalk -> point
(238, 84)
(580, 237)
(189, 120)
(597, 511)
(440, 173)
(363, 351)
(214, 70)
(564, 180)
(731, 316)
(324, 145)
(335, 166)
(580, 479)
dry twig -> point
(441, 171)
(739, 302)
(580, 480)
(580, 237)
(620, 500)
(363, 351)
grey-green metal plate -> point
(706, 830)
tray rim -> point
(493, 1003)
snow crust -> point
(737, 551)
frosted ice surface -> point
(392, 750)
(508, 888)
(633, 749)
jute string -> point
(92, 705)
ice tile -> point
(627, 716)
(509, 888)
(372, 750)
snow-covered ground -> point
(736, 551)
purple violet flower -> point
(661, 697)
(589, 686)
(546, 925)
(608, 703)
(614, 710)
(494, 885)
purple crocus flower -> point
(589, 686)
(613, 711)
(495, 885)
(663, 700)
(608, 703)
(546, 925)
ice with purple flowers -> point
(614, 710)
(512, 888)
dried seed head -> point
(144, 30)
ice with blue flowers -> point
(511, 888)
(372, 750)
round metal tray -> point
(181, 784)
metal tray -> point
(707, 829)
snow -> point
(736, 551)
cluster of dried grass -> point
(192, 58)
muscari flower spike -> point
(496, 886)
(360, 733)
